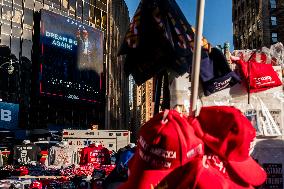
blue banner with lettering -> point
(9, 114)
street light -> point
(10, 67)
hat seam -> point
(181, 134)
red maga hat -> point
(201, 173)
(163, 145)
(228, 133)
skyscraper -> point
(143, 106)
(257, 23)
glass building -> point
(16, 31)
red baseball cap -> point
(201, 173)
(228, 133)
(163, 145)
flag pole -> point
(196, 56)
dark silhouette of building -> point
(257, 23)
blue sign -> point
(9, 114)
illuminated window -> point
(273, 4)
(273, 20)
(274, 37)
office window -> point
(273, 20)
(98, 17)
(104, 20)
(86, 11)
(273, 4)
(274, 37)
(27, 46)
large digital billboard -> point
(71, 61)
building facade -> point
(16, 31)
(117, 89)
(142, 107)
(257, 23)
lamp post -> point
(10, 68)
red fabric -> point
(200, 174)
(23, 171)
(228, 133)
(94, 154)
(262, 76)
(162, 147)
(36, 185)
(259, 58)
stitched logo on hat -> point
(154, 162)
(162, 155)
(214, 161)
(157, 151)
(223, 84)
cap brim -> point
(195, 175)
(249, 171)
(147, 179)
(143, 179)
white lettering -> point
(52, 35)
(143, 143)
(156, 151)
(72, 96)
(6, 115)
(47, 34)
(156, 163)
(62, 44)
(163, 153)
(61, 41)
(222, 85)
(64, 39)
(263, 80)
